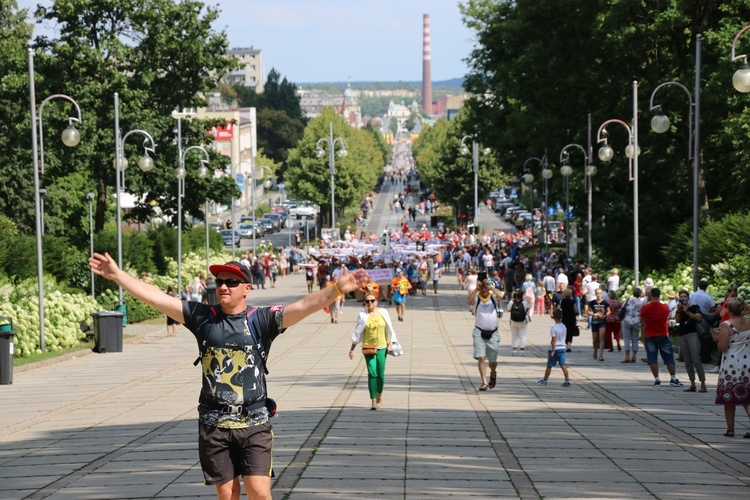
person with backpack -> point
(486, 334)
(519, 322)
(234, 429)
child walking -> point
(557, 349)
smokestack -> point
(426, 69)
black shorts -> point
(228, 453)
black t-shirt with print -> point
(599, 308)
(233, 371)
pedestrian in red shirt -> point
(654, 316)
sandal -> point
(746, 436)
(702, 389)
(690, 389)
(493, 381)
(730, 433)
(625, 361)
(483, 387)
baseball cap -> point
(233, 267)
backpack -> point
(518, 311)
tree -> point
(278, 133)
(308, 176)
(448, 173)
(158, 55)
(16, 186)
(282, 95)
(539, 67)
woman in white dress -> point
(733, 339)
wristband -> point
(336, 286)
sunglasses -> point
(232, 283)
(370, 301)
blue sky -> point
(340, 40)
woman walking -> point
(375, 330)
(733, 339)
(688, 317)
(598, 310)
(613, 321)
(630, 326)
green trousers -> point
(376, 372)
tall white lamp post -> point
(145, 163)
(342, 152)
(181, 173)
(464, 150)
(70, 137)
(660, 124)
(632, 151)
(90, 198)
(590, 172)
(528, 178)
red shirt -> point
(655, 315)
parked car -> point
(291, 208)
(245, 229)
(227, 234)
(306, 210)
(267, 224)
(215, 226)
(277, 221)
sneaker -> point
(541, 382)
(566, 383)
(675, 383)
(522, 353)
(657, 382)
(514, 353)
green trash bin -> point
(124, 310)
(6, 350)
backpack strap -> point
(212, 313)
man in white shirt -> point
(562, 277)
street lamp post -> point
(181, 173)
(660, 124)
(70, 137)
(342, 152)
(251, 178)
(145, 163)
(528, 178)
(632, 151)
(464, 149)
(90, 197)
(590, 172)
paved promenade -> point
(123, 425)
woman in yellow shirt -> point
(374, 328)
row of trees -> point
(158, 55)
(540, 67)
(308, 176)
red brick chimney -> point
(426, 69)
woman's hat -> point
(671, 294)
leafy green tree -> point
(278, 133)
(158, 55)
(281, 94)
(383, 147)
(16, 186)
(308, 176)
(448, 173)
(539, 67)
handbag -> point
(622, 312)
(576, 331)
(369, 349)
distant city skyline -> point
(339, 41)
